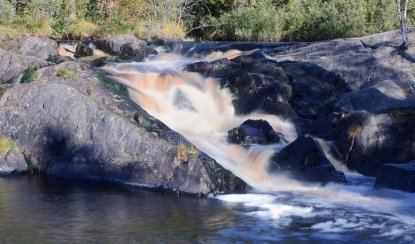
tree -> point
(402, 6)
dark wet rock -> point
(325, 127)
(84, 50)
(397, 176)
(311, 109)
(260, 85)
(39, 47)
(102, 61)
(13, 162)
(72, 127)
(13, 66)
(314, 89)
(258, 103)
(137, 50)
(367, 141)
(113, 44)
(305, 160)
(124, 46)
(217, 68)
(253, 132)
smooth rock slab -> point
(39, 47)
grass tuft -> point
(110, 85)
(30, 75)
(183, 153)
(66, 74)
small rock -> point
(253, 132)
(13, 163)
(84, 50)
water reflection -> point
(37, 209)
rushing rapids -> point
(199, 109)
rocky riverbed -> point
(67, 119)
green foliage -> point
(319, 20)
(64, 73)
(296, 20)
(236, 20)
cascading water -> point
(200, 110)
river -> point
(36, 209)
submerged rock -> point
(305, 160)
(397, 176)
(13, 162)
(253, 132)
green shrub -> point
(257, 22)
(319, 20)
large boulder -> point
(397, 176)
(305, 160)
(253, 132)
(73, 127)
(367, 141)
(13, 66)
(124, 46)
(39, 47)
(13, 162)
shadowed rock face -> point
(75, 129)
(305, 160)
(368, 141)
(397, 176)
